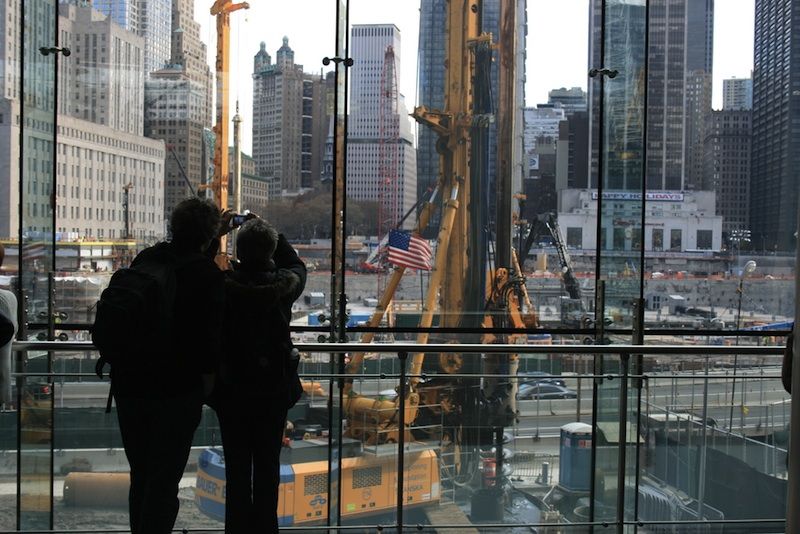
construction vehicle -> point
(573, 307)
(454, 421)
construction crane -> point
(219, 185)
(574, 311)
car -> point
(544, 391)
(535, 377)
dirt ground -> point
(189, 516)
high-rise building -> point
(776, 125)
(289, 120)
(727, 161)
(100, 147)
(572, 150)
(369, 131)
(178, 106)
(698, 110)
(541, 121)
(103, 81)
(680, 47)
(571, 100)
(737, 93)
(149, 19)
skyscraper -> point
(698, 111)
(100, 150)
(288, 126)
(374, 124)
(737, 93)
(571, 100)
(149, 19)
(727, 162)
(776, 125)
(104, 81)
(681, 38)
(178, 105)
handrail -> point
(715, 350)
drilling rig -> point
(469, 287)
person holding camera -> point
(257, 381)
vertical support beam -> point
(793, 492)
(401, 441)
(237, 166)
(505, 130)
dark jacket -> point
(257, 317)
(195, 347)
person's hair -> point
(256, 242)
(2, 254)
(194, 222)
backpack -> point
(135, 312)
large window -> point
(445, 183)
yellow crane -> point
(222, 9)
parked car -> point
(541, 390)
(535, 377)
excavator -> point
(476, 284)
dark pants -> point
(157, 435)
(252, 436)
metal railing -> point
(402, 350)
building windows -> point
(675, 243)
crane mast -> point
(219, 185)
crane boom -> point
(219, 186)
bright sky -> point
(557, 43)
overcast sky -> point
(556, 47)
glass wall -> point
(564, 179)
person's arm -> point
(286, 259)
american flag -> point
(409, 250)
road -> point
(763, 398)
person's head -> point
(255, 243)
(194, 223)
(2, 254)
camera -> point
(239, 219)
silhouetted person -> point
(160, 395)
(258, 377)
(8, 329)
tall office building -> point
(178, 106)
(100, 148)
(289, 120)
(103, 81)
(737, 93)
(369, 44)
(776, 125)
(37, 114)
(571, 100)
(541, 121)
(698, 111)
(727, 161)
(681, 39)
(149, 19)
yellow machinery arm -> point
(219, 186)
